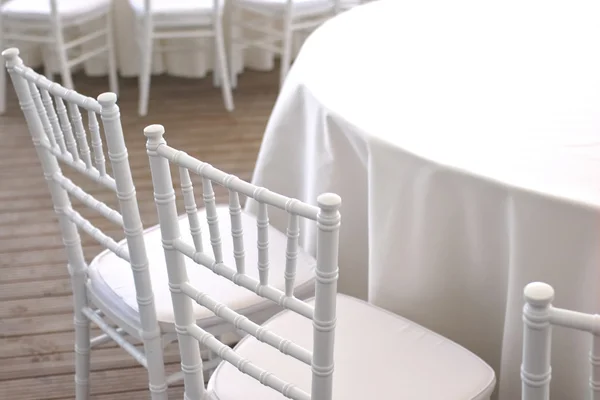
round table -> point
(464, 139)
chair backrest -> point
(538, 317)
(322, 314)
(57, 128)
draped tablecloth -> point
(464, 139)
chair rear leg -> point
(113, 79)
(63, 59)
(3, 79)
(222, 68)
(145, 46)
(82, 334)
(286, 53)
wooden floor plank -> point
(36, 321)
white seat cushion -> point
(112, 279)
(378, 355)
(174, 7)
(299, 7)
(40, 9)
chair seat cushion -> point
(378, 355)
(299, 7)
(174, 7)
(112, 279)
(40, 9)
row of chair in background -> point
(125, 289)
(59, 136)
(55, 26)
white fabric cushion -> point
(299, 7)
(112, 279)
(378, 355)
(40, 9)
(174, 7)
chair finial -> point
(538, 293)
(107, 99)
(154, 131)
(10, 53)
(11, 57)
(329, 201)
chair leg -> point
(2, 79)
(113, 78)
(46, 60)
(222, 61)
(82, 330)
(216, 70)
(157, 380)
(145, 67)
(61, 53)
(82, 356)
(286, 53)
(234, 49)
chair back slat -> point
(245, 366)
(322, 314)
(39, 105)
(53, 119)
(80, 135)
(539, 315)
(99, 160)
(97, 235)
(88, 200)
(212, 218)
(237, 232)
(187, 189)
(262, 243)
(244, 324)
(291, 253)
(66, 129)
(246, 281)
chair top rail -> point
(88, 103)
(262, 195)
(540, 295)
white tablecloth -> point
(464, 139)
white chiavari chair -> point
(253, 25)
(377, 354)
(124, 289)
(56, 26)
(161, 20)
(538, 317)
(55, 123)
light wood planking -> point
(36, 334)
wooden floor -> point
(36, 335)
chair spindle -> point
(80, 134)
(237, 231)
(187, 189)
(291, 253)
(65, 126)
(51, 113)
(212, 218)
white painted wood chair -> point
(252, 25)
(538, 317)
(179, 19)
(124, 289)
(405, 361)
(55, 25)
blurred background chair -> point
(56, 27)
